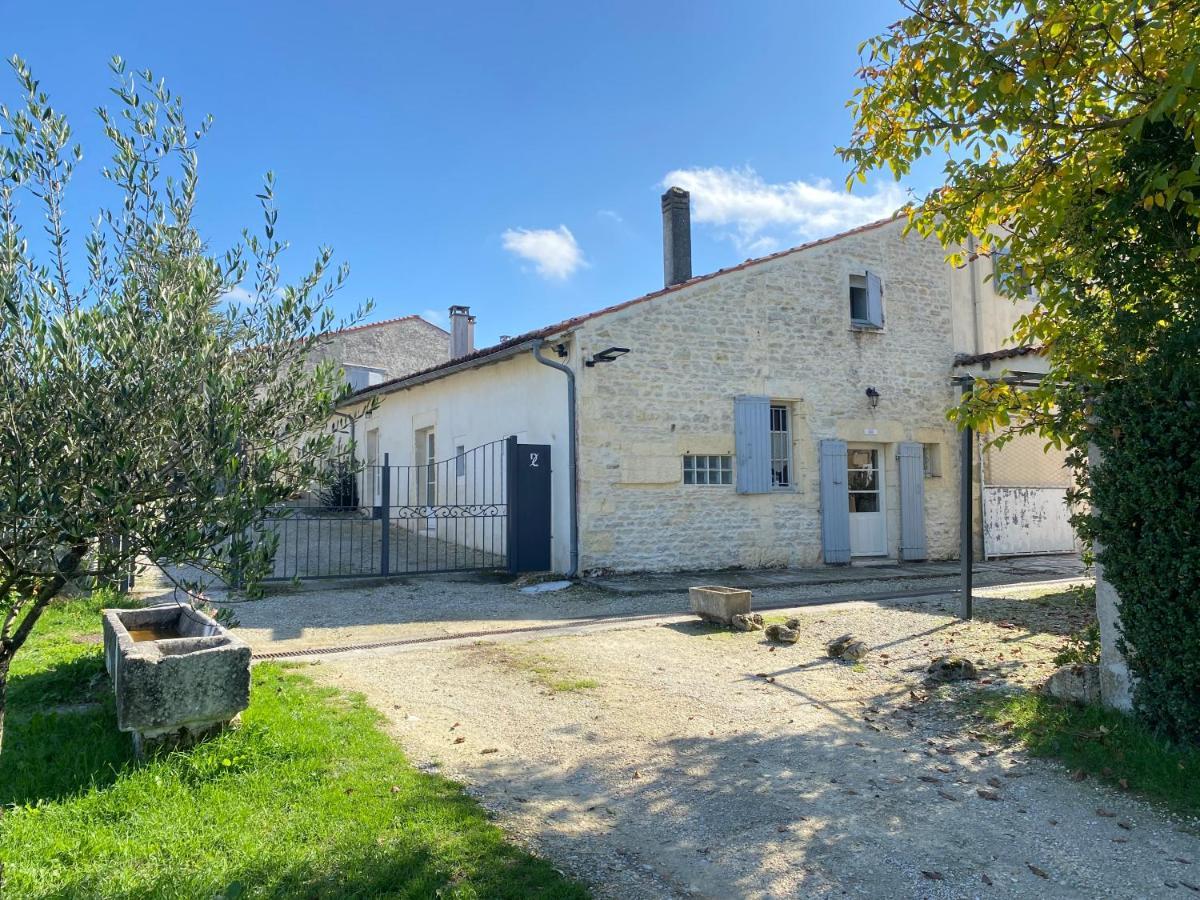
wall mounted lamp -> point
(607, 355)
(872, 397)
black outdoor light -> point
(872, 397)
(607, 355)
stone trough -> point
(178, 675)
(717, 604)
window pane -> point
(864, 503)
(858, 304)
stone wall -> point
(781, 328)
(396, 346)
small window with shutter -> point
(866, 301)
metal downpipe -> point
(573, 494)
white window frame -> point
(781, 414)
(861, 285)
(931, 460)
(704, 466)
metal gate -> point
(380, 520)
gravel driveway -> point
(666, 758)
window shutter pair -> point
(752, 439)
(835, 503)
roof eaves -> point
(964, 359)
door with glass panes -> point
(868, 514)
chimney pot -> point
(677, 236)
(462, 331)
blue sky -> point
(504, 156)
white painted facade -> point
(513, 397)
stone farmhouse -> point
(790, 410)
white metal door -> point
(868, 513)
(1026, 520)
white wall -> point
(516, 396)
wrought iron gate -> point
(381, 520)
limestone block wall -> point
(780, 328)
(397, 347)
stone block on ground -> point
(846, 647)
(748, 622)
(952, 668)
(1078, 683)
(782, 634)
(719, 604)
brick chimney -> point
(462, 331)
(677, 236)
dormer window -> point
(360, 377)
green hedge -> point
(1146, 497)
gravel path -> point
(679, 760)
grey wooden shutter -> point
(835, 503)
(912, 502)
(752, 437)
(874, 300)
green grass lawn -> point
(1101, 743)
(308, 798)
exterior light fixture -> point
(607, 355)
(872, 397)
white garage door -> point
(1026, 520)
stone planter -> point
(178, 675)
(719, 604)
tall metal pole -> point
(966, 517)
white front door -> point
(374, 470)
(868, 514)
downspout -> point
(572, 452)
(976, 318)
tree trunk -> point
(9, 646)
(5, 659)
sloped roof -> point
(480, 357)
(391, 321)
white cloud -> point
(761, 217)
(553, 252)
(438, 317)
(238, 294)
(611, 214)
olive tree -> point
(157, 397)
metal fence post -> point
(385, 517)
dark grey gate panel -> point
(529, 507)
(835, 503)
(446, 516)
(912, 501)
